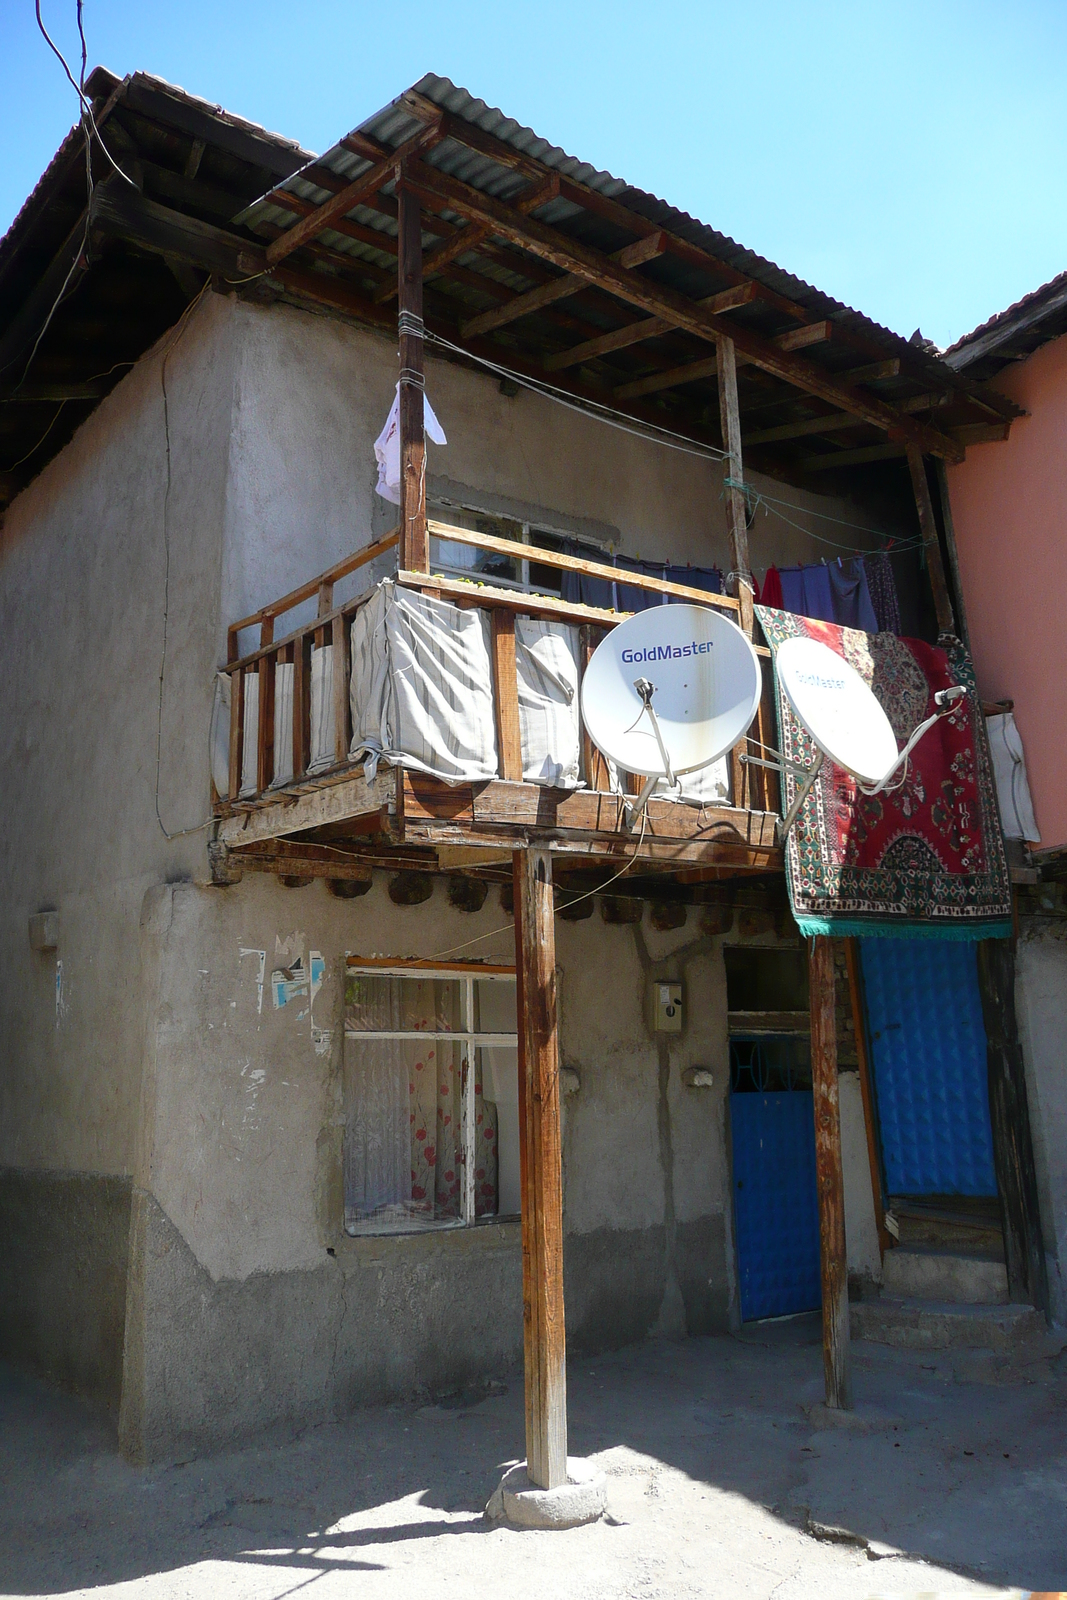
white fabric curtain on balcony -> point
(422, 686)
(422, 690)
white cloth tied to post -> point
(387, 446)
(422, 690)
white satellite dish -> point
(670, 690)
(837, 709)
(844, 719)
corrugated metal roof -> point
(395, 123)
(1019, 330)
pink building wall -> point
(1009, 505)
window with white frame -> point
(431, 1095)
(456, 560)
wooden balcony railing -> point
(753, 788)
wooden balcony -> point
(338, 824)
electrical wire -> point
(40, 441)
(676, 441)
(88, 118)
(89, 128)
(587, 408)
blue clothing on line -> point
(851, 596)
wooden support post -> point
(740, 580)
(301, 704)
(859, 1024)
(829, 1178)
(594, 767)
(341, 702)
(265, 736)
(237, 730)
(544, 1339)
(1013, 1151)
(506, 695)
(946, 622)
(414, 546)
(950, 546)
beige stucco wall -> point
(82, 598)
(272, 416)
(150, 1060)
(311, 395)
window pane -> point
(496, 1132)
(416, 1005)
(467, 558)
(402, 1165)
(494, 1005)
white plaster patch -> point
(261, 968)
(61, 1003)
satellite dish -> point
(693, 668)
(838, 710)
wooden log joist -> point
(285, 857)
(581, 822)
(629, 285)
(348, 798)
(367, 183)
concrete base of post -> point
(583, 1498)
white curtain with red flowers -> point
(403, 1102)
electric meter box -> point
(666, 1007)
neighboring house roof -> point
(1014, 334)
(821, 386)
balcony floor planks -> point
(421, 811)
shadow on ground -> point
(720, 1480)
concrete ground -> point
(720, 1481)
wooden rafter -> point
(367, 183)
(498, 150)
(688, 372)
(633, 255)
(646, 328)
(628, 285)
(830, 422)
(692, 371)
(487, 144)
(853, 458)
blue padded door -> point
(775, 1204)
(928, 1051)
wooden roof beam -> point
(367, 183)
(854, 458)
(691, 371)
(874, 372)
(475, 138)
(828, 423)
(547, 294)
(575, 258)
(468, 238)
(579, 194)
(647, 328)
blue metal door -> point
(928, 1053)
(775, 1205)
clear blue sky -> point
(907, 157)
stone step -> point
(920, 1272)
(932, 1325)
(975, 1231)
